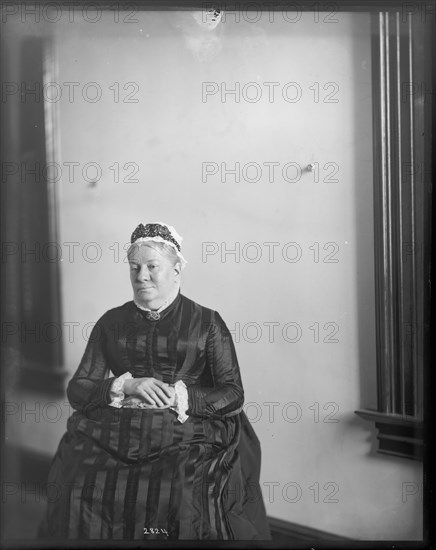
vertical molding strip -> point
(382, 275)
(388, 211)
(401, 322)
(414, 328)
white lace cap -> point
(160, 239)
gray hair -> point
(165, 249)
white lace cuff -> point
(181, 405)
(116, 392)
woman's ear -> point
(178, 268)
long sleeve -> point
(224, 395)
(89, 385)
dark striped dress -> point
(129, 474)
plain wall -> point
(319, 466)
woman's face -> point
(153, 276)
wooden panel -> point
(401, 60)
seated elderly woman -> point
(158, 446)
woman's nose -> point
(144, 274)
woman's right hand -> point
(152, 391)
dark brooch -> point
(152, 315)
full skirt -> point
(139, 474)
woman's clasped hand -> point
(151, 390)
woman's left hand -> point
(152, 391)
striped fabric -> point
(140, 474)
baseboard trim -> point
(282, 530)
